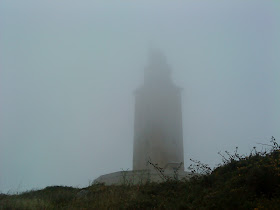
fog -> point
(68, 70)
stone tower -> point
(158, 134)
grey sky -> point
(68, 70)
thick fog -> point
(68, 70)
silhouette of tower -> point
(158, 134)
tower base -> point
(141, 177)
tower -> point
(158, 134)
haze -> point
(68, 70)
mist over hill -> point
(68, 70)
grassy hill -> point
(241, 182)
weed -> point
(241, 182)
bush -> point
(240, 182)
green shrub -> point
(241, 182)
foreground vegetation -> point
(241, 182)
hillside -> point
(241, 182)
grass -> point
(241, 182)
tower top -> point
(157, 70)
